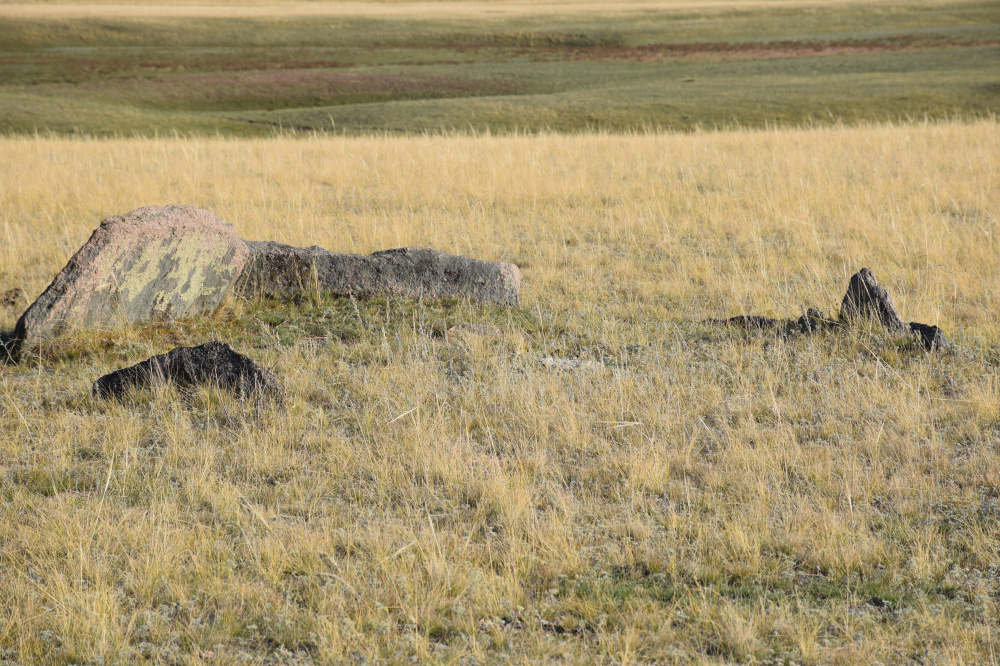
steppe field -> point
(662, 489)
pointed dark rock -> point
(867, 299)
(210, 363)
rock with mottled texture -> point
(159, 262)
(866, 298)
(752, 323)
(211, 363)
(283, 271)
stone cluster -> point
(170, 262)
(865, 299)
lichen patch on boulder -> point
(159, 262)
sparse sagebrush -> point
(694, 494)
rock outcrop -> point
(160, 262)
(211, 363)
(171, 262)
(283, 271)
(865, 299)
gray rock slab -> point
(211, 363)
(284, 271)
(159, 262)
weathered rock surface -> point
(866, 298)
(160, 262)
(211, 363)
(283, 271)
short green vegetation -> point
(678, 69)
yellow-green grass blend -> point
(693, 494)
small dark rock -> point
(752, 322)
(866, 298)
(13, 298)
(212, 362)
(8, 349)
(814, 321)
(931, 337)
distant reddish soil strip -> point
(748, 50)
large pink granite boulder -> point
(159, 262)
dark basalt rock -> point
(931, 338)
(813, 321)
(284, 271)
(752, 322)
(866, 298)
(212, 362)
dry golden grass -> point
(699, 495)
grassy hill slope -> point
(109, 70)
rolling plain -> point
(348, 68)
